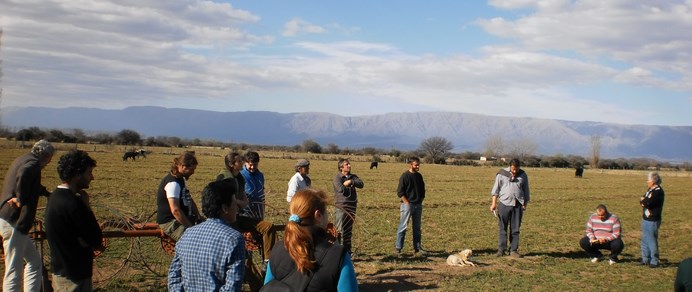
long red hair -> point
(297, 236)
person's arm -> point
(195, 211)
(495, 191)
(234, 278)
(527, 191)
(401, 189)
(616, 229)
(589, 230)
(85, 221)
(178, 213)
(338, 185)
(292, 188)
(653, 201)
(347, 278)
(175, 274)
(357, 182)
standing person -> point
(346, 201)
(411, 191)
(512, 188)
(18, 202)
(602, 232)
(305, 260)
(71, 228)
(210, 255)
(176, 210)
(254, 185)
(244, 221)
(300, 180)
(652, 207)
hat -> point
(302, 163)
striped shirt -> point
(608, 229)
(208, 257)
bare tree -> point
(436, 148)
(595, 156)
(522, 148)
(494, 146)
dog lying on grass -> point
(461, 259)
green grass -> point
(456, 216)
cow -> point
(373, 165)
(141, 153)
(130, 154)
(579, 171)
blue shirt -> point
(254, 188)
(208, 257)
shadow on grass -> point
(403, 279)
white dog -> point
(461, 259)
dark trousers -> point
(345, 215)
(509, 217)
(593, 249)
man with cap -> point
(300, 180)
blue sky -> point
(609, 61)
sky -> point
(617, 61)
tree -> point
(595, 151)
(436, 148)
(522, 148)
(494, 146)
(332, 148)
(128, 137)
(311, 146)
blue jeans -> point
(415, 212)
(649, 243)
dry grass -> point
(455, 217)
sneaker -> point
(612, 261)
(500, 253)
(515, 254)
(653, 266)
(397, 252)
(594, 260)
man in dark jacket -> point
(18, 203)
(71, 227)
(346, 201)
(411, 191)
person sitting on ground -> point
(602, 232)
(210, 256)
(305, 260)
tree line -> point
(436, 150)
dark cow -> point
(129, 154)
(373, 165)
(578, 172)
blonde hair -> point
(297, 236)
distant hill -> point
(404, 131)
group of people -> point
(603, 228)
(70, 225)
(210, 250)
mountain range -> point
(403, 131)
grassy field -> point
(456, 216)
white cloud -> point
(653, 35)
(298, 26)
